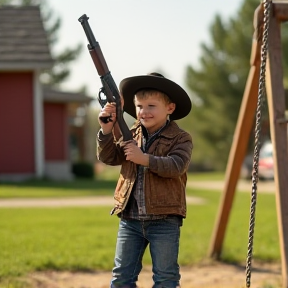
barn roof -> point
(23, 39)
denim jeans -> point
(133, 238)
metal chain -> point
(261, 94)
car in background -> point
(266, 165)
(246, 168)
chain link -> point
(261, 95)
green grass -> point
(57, 239)
(83, 239)
(207, 176)
(46, 189)
(266, 239)
(104, 184)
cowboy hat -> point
(131, 85)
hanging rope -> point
(261, 95)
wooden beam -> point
(236, 156)
(278, 130)
(280, 10)
(241, 137)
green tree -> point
(217, 85)
(60, 70)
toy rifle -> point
(109, 88)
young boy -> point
(150, 193)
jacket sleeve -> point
(109, 150)
(176, 162)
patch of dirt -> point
(215, 275)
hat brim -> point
(131, 85)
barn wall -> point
(57, 162)
(16, 123)
(55, 131)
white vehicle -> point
(266, 165)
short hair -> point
(145, 93)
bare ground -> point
(213, 275)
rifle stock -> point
(109, 87)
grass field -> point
(83, 239)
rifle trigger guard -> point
(102, 101)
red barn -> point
(34, 120)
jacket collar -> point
(170, 130)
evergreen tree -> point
(60, 70)
(218, 85)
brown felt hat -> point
(131, 85)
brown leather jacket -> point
(166, 176)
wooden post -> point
(278, 130)
(235, 160)
(239, 147)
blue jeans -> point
(133, 237)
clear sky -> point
(137, 36)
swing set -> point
(265, 79)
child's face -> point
(152, 110)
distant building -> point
(36, 122)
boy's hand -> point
(134, 153)
(108, 111)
